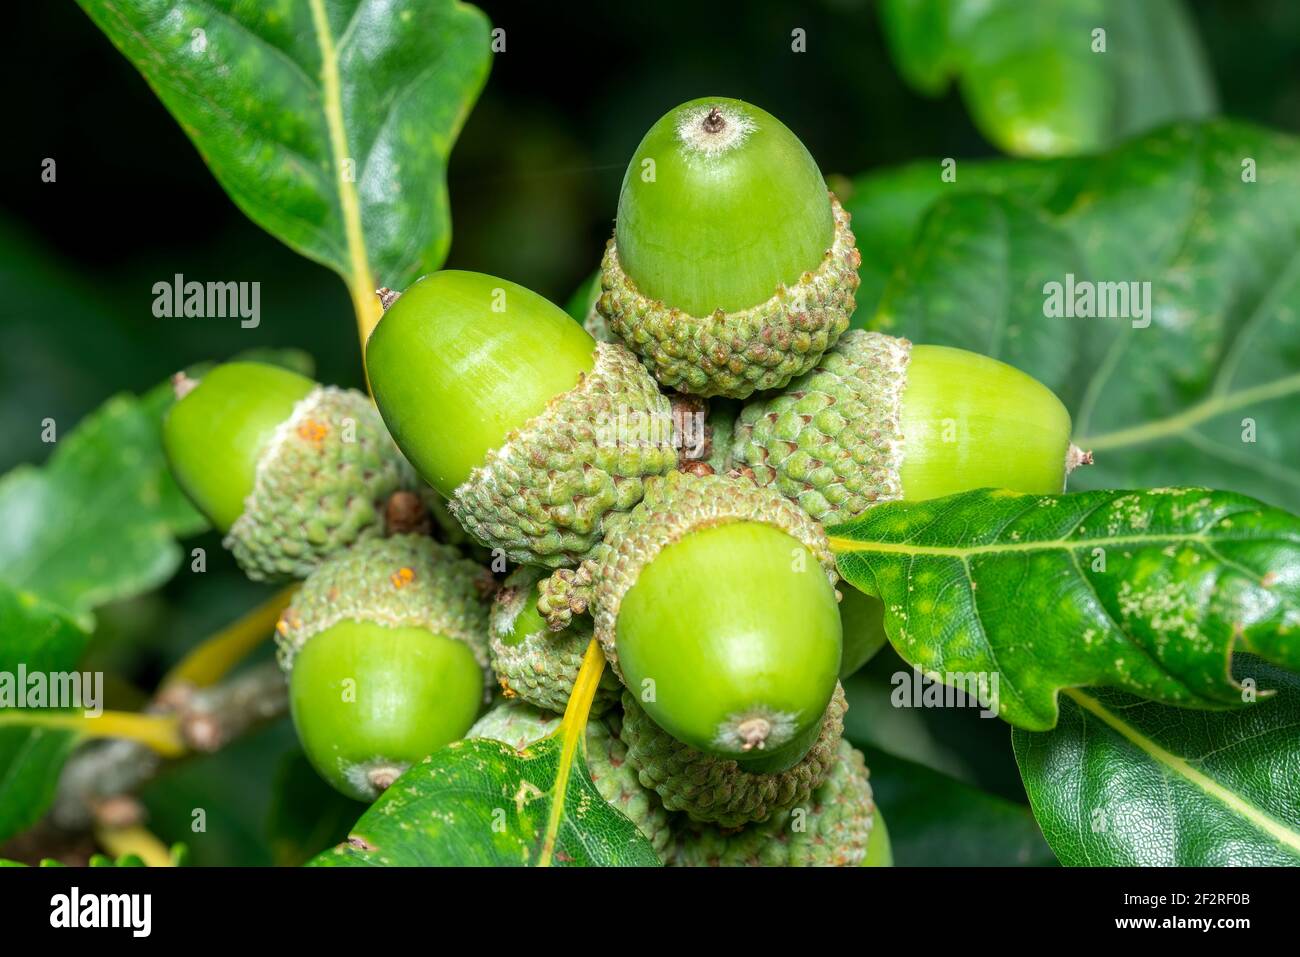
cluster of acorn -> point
(702, 569)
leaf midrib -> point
(359, 282)
(843, 546)
(1179, 766)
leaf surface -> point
(1019, 596)
(1125, 782)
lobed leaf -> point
(1125, 782)
(328, 123)
(1148, 591)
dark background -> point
(533, 180)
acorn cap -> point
(673, 507)
(831, 829)
(543, 495)
(533, 662)
(833, 440)
(322, 483)
(403, 581)
(736, 353)
(519, 725)
(718, 790)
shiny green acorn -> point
(880, 419)
(291, 471)
(532, 430)
(385, 648)
(731, 268)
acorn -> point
(519, 725)
(291, 471)
(880, 419)
(715, 603)
(832, 828)
(385, 649)
(732, 268)
(532, 430)
(713, 789)
(531, 661)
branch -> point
(100, 775)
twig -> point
(209, 719)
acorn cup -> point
(532, 430)
(530, 660)
(831, 828)
(292, 472)
(732, 268)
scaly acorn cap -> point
(543, 495)
(831, 829)
(672, 507)
(397, 582)
(737, 353)
(718, 790)
(519, 724)
(533, 662)
(880, 419)
(322, 483)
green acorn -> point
(532, 430)
(880, 852)
(831, 829)
(720, 790)
(385, 647)
(519, 724)
(291, 471)
(881, 419)
(714, 601)
(533, 662)
(732, 268)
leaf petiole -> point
(572, 728)
(160, 732)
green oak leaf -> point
(1148, 591)
(937, 821)
(1126, 782)
(482, 803)
(98, 522)
(1204, 392)
(40, 637)
(328, 123)
(1032, 75)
